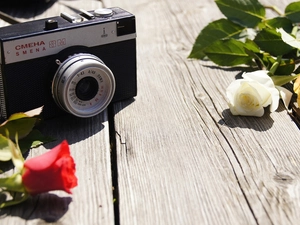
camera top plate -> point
(49, 36)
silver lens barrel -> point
(83, 85)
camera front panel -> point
(121, 59)
(26, 78)
(28, 83)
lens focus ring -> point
(83, 85)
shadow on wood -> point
(72, 128)
(248, 122)
(118, 106)
(39, 207)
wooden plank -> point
(92, 201)
(182, 157)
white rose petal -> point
(260, 76)
(285, 95)
(249, 96)
(289, 39)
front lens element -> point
(83, 85)
(87, 88)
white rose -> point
(249, 96)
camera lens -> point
(87, 88)
(83, 85)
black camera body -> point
(74, 63)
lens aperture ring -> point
(83, 85)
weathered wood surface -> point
(92, 201)
(179, 156)
(182, 158)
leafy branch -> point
(247, 37)
(21, 125)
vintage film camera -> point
(71, 63)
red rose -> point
(54, 170)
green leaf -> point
(286, 66)
(22, 126)
(278, 22)
(228, 52)
(281, 80)
(5, 152)
(34, 139)
(251, 45)
(12, 183)
(20, 123)
(10, 151)
(248, 13)
(219, 29)
(253, 51)
(292, 12)
(257, 58)
(270, 41)
(16, 154)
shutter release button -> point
(103, 12)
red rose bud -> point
(54, 170)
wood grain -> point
(92, 201)
(178, 155)
(182, 157)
